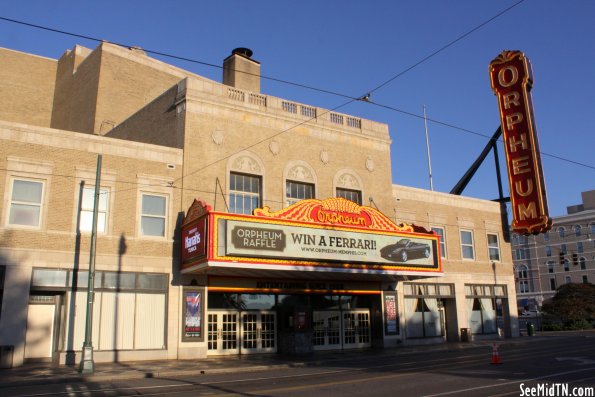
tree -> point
(572, 303)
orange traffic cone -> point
(495, 355)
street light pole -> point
(87, 365)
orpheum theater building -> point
(229, 221)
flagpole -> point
(428, 149)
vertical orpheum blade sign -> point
(512, 79)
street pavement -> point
(46, 373)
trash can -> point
(465, 334)
(530, 329)
(6, 353)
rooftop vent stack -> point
(241, 71)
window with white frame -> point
(25, 202)
(296, 191)
(153, 215)
(577, 230)
(561, 232)
(567, 279)
(566, 265)
(548, 250)
(493, 247)
(351, 195)
(244, 193)
(440, 231)
(550, 267)
(467, 249)
(583, 263)
(86, 216)
(523, 279)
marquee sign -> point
(511, 78)
(252, 239)
(311, 235)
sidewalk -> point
(46, 373)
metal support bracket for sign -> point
(464, 181)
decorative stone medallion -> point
(370, 164)
(217, 137)
(274, 147)
(324, 156)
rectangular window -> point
(493, 247)
(296, 191)
(153, 215)
(585, 279)
(563, 249)
(352, 195)
(25, 203)
(440, 231)
(567, 280)
(86, 217)
(552, 284)
(579, 247)
(548, 250)
(524, 286)
(467, 249)
(244, 193)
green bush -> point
(578, 324)
(549, 326)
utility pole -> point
(87, 364)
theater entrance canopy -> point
(332, 239)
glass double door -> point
(341, 329)
(241, 332)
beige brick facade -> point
(173, 136)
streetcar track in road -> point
(460, 363)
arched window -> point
(300, 182)
(246, 173)
(562, 232)
(577, 230)
(523, 279)
(349, 185)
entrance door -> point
(341, 330)
(259, 332)
(326, 330)
(356, 329)
(40, 331)
(233, 332)
(223, 333)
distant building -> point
(564, 255)
(261, 274)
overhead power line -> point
(363, 98)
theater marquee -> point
(334, 235)
(512, 80)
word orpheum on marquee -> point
(512, 79)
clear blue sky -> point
(350, 47)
